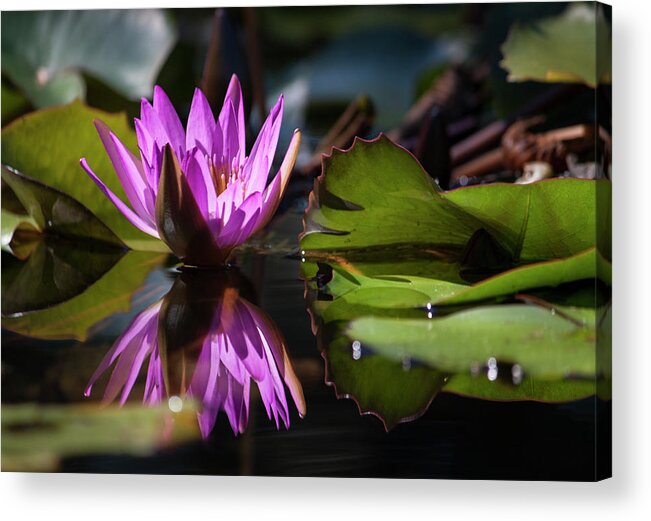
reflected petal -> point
(240, 344)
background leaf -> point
(35, 438)
(46, 145)
(560, 48)
(14, 103)
(45, 52)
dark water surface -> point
(456, 437)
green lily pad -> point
(553, 391)
(564, 48)
(74, 318)
(55, 212)
(550, 219)
(583, 266)
(46, 147)
(546, 344)
(376, 196)
(11, 222)
(46, 52)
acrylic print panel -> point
(351, 241)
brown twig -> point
(491, 134)
(519, 146)
(536, 301)
(354, 121)
(450, 90)
(211, 78)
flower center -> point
(223, 176)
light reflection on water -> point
(205, 342)
(448, 440)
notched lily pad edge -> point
(326, 158)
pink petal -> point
(130, 173)
(230, 199)
(232, 121)
(256, 169)
(152, 122)
(201, 125)
(150, 154)
(274, 192)
(169, 120)
(232, 155)
(241, 222)
(131, 216)
(200, 182)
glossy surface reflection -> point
(204, 342)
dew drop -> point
(357, 350)
(516, 374)
(492, 374)
(406, 364)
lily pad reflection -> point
(391, 351)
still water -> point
(140, 367)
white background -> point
(626, 496)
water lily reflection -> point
(205, 342)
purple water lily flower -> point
(230, 342)
(197, 190)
